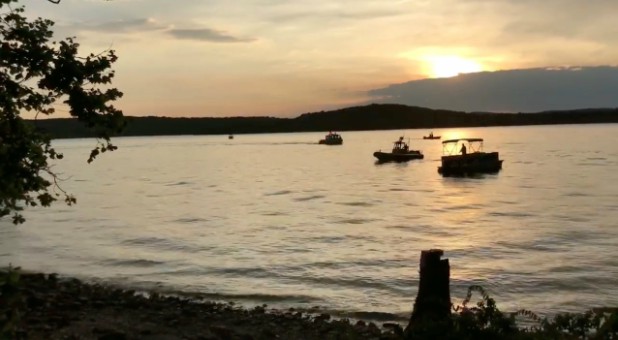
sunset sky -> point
(284, 57)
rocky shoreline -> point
(59, 308)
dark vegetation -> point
(370, 117)
(36, 75)
(40, 306)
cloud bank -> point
(281, 57)
(525, 90)
(206, 34)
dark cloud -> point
(206, 34)
(147, 24)
(527, 90)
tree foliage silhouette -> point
(36, 75)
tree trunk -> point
(432, 308)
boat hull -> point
(470, 164)
(434, 137)
(397, 157)
(330, 142)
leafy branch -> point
(35, 74)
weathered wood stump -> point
(432, 308)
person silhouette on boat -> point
(431, 134)
(463, 149)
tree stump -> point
(432, 308)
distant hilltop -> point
(369, 117)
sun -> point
(450, 66)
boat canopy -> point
(469, 140)
(451, 146)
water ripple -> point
(357, 204)
(190, 220)
(180, 183)
(161, 244)
(278, 193)
(132, 263)
(355, 220)
(309, 198)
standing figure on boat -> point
(457, 162)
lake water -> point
(279, 219)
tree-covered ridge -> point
(370, 117)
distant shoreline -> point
(361, 118)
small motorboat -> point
(467, 159)
(431, 136)
(332, 138)
(230, 137)
(400, 153)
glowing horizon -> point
(451, 66)
(278, 58)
